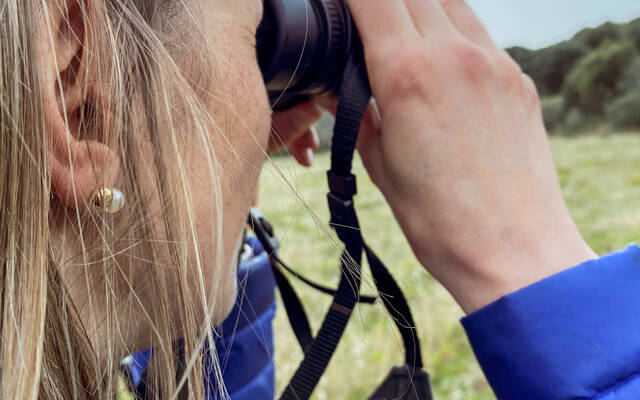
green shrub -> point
(553, 112)
(549, 67)
(555, 63)
(624, 112)
(631, 32)
(578, 122)
(594, 37)
(631, 77)
(575, 120)
(594, 80)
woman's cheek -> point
(251, 100)
(261, 109)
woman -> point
(133, 135)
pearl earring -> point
(108, 200)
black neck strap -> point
(406, 382)
(354, 98)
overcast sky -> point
(538, 23)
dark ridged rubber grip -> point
(339, 41)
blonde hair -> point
(46, 351)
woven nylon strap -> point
(355, 95)
(354, 99)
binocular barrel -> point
(303, 47)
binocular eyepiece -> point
(303, 47)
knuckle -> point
(509, 62)
(509, 71)
(471, 61)
(409, 73)
(509, 78)
(531, 91)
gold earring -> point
(108, 200)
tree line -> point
(591, 79)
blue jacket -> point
(245, 349)
(574, 335)
(245, 341)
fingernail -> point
(316, 137)
(308, 157)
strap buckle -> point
(263, 230)
(343, 217)
(343, 186)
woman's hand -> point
(293, 128)
(460, 151)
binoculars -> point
(303, 47)
(307, 47)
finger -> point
(291, 124)
(382, 22)
(429, 18)
(369, 140)
(328, 102)
(302, 148)
(466, 22)
(310, 140)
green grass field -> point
(600, 177)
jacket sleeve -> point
(574, 335)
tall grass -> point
(600, 176)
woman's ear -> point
(79, 160)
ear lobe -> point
(88, 165)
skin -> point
(460, 151)
(237, 102)
(456, 145)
